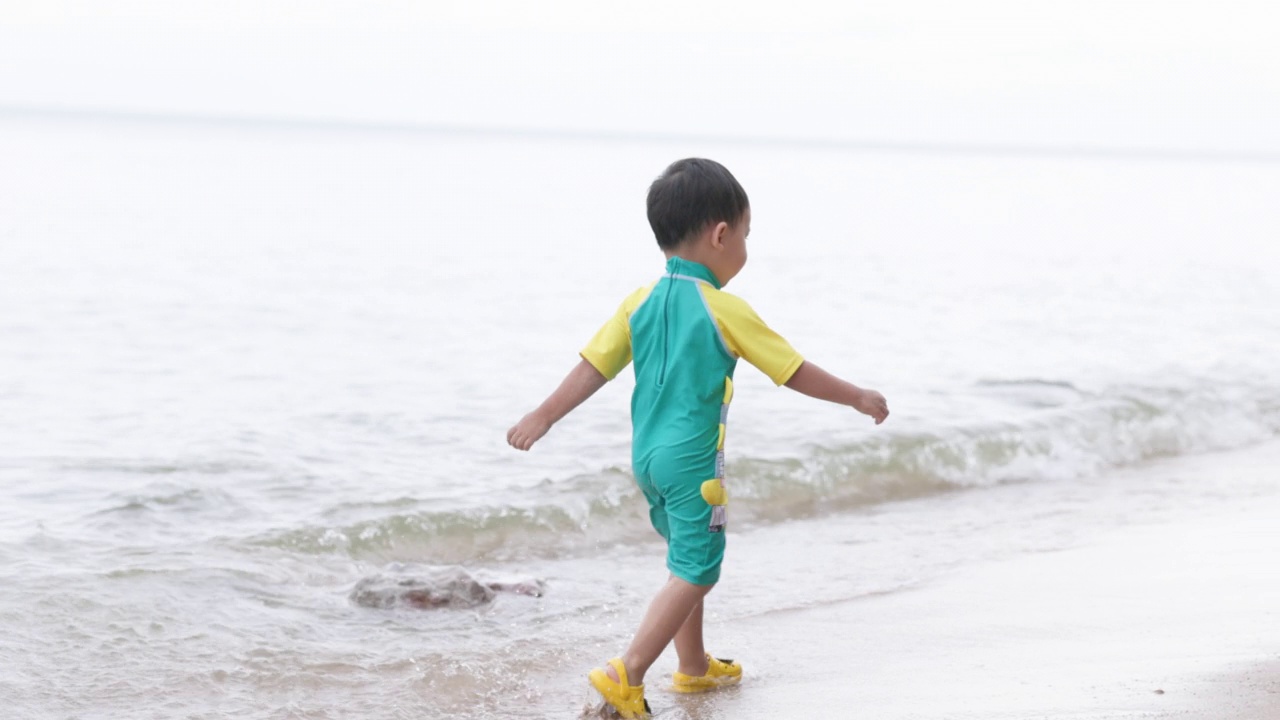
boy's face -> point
(734, 252)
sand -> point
(1252, 693)
(1167, 620)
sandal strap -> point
(621, 669)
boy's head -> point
(699, 212)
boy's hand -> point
(528, 431)
(870, 402)
(816, 382)
(581, 383)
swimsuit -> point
(686, 336)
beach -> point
(257, 378)
(1159, 619)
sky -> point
(1199, 75)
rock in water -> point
(452, 587)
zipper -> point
(666, 331)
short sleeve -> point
(610, 350)
(751, 339)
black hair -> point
(690, 195)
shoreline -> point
(1153, 621)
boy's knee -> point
(699, 587)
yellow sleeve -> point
(747, 336)
(610, 350)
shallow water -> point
(245, 367)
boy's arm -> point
(581, 383)
(748, 337)
(602, 359)
(813, 381)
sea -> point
(256, 377)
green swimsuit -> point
(686, 336)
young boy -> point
(685, 336)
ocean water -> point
(255, 380)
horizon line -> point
(974, 149)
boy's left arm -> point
(581, 383)
(608, 352)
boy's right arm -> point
(581, 383)
(749, 337)
(815, 382)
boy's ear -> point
(718, 234)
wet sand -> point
(1250, 693)
(1168, 620)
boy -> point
(686, 336)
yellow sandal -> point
(720, 672)
(627, 699)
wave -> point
(1059, 440)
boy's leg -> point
(689, 648)
(667, 613)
